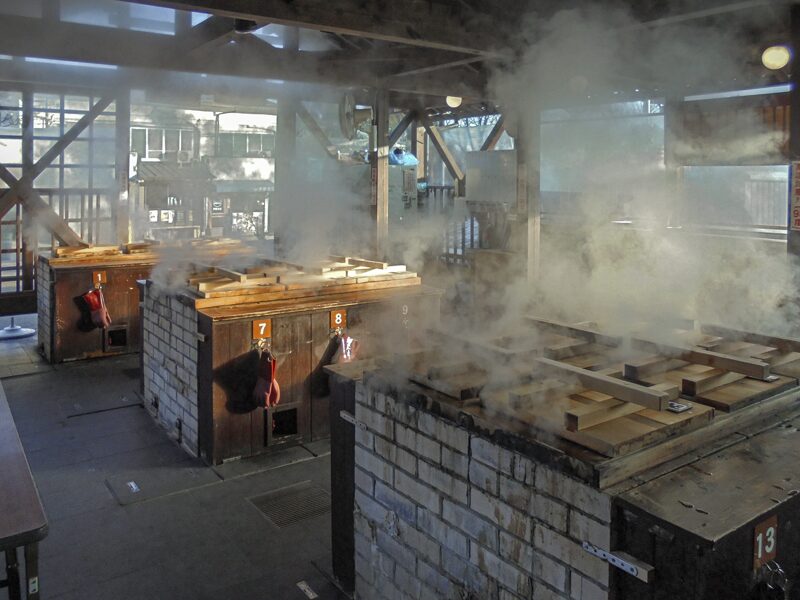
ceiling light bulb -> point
(454, 101)
(776, 57)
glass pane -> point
(52, 101)
(40, 147)
(77, 153)
(46, 123)
(76, 177)
(76, 103)
(187, 140)
(48, 178)
(239, 144)
(226, 144)
(10, 151)
(254, 144)
(155, 140)
(103, 131)
(268, 142)
(103, 178)
(139, 141)
(172, 140)
(104, 153)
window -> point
(246, 144)
(156, 143)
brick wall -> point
(169, 359)
(44, 308)
(443, 513)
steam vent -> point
(409, 300)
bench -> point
(22, 519)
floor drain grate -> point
(293, 503)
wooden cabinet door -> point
(292, 345)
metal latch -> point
(623, 561)
(350, 418)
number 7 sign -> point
(262, 329)
(765, 542)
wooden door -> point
(292, 347)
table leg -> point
(12, 573)
(32, 571)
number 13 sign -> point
(765, 542)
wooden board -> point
(735, 396)
(621, 389)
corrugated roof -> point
(170, 171)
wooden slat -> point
(746, 366)
(621, 389)
(783, 344)
(691, 385)
(586, 415)
(572, 331)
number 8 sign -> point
(765, 542)
(338, 319)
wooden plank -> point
(621, 389)
(746, 366)
(76, 252)
(372, 264)
(587, 415)
(401, 127)
(494, 135)
(461, 386)
(582, 333)
(615, 471)
(740, 394)
(567, 348)
(640, 368)
(311, 123)
(692, 385)
(783, 344)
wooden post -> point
(793, 235)
(285, 147)
(420, 150)
(526, 230)
(380, 174)
(29, 228)
(122, 165)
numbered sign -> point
(404, 315)
(765, 542)
(99, 277)
(262, 329)
(338, 319)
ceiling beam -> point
(23, 36)
(430, 24)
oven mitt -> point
(97, 307)
(267, 392)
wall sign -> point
(794, 197)
(338, 319)
(765, 542)
(262, 329)
(99, 277)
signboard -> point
(99, 277)
(794, 197)
(338, 319)
(765, 542)
(262, 329)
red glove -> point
(267, 392)
(97, 306)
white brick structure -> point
(169, 364)
(441, 512)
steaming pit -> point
(203, 340)
(568, 462)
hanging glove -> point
(97, 306)
(348, 348)
(267, 392)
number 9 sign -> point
(338, 319)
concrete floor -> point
(190, 534)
